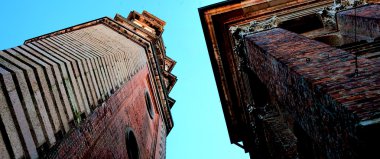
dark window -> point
(132, 147)
(149, 105)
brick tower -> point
(298, 78)
(95, 90)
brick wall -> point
(315, 85)
(102, 134)
(365, 22)
(74, 94)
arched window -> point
(132, 146)
(149, 104)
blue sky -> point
(199, 127)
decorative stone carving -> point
(327, 15)
(255, 26)
(238, 32)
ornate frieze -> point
(255, 26)
(238, 33)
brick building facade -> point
(298, 78)
(95, 90)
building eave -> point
(145, 42)
(216, 19)
(206, 21)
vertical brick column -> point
(316, 86)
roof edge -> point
(216, 5)
(68, 29)
(214, 64)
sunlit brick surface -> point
(73, 95)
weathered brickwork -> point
(284, 93)
(319, 88)
(280, 139)
(74, 92)
(103, 133)
(364, 22)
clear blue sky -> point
(199, 127)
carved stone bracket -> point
(270, 23)
(238, 33)
(255, 26)
(327, 15)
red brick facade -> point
(297, 78)
(103, 134)
(317, 90)
(95, 90)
